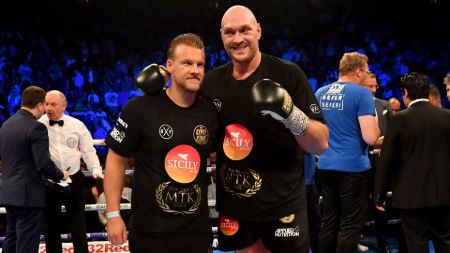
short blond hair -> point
(352, 61)
(188, 39)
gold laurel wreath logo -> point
(166, 208)
(197, 202)
(250, 191)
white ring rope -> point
(127, 206)
(102, 207)
(99, 235)
(130, 172)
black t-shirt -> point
(260, 165)
(170, 145)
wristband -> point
(112, 214)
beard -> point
(189, 85)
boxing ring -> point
(98, 241)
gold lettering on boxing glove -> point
(287, 103)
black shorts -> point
(284, 235)
(145, 244)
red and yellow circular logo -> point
(238, 142)
(182, 163)
(228, 226)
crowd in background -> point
(92, 50)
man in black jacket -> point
(25, 156)
(416, 153)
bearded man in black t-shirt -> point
(170, 134)
(260, 176)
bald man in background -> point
(447, 87)
(70, 141)
(394, 104)
(435, 96)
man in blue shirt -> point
(349, 111)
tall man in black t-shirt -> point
(260, 178)
(170, 134)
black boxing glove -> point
(271, 98)
(152, 79)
